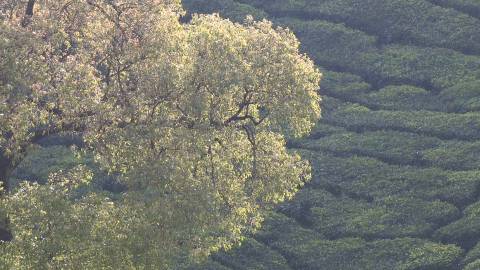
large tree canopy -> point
(192, 116)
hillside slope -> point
(396, 155)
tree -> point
(192, 116)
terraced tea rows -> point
(395, 157)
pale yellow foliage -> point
(192, 116)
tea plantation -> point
(396, 156)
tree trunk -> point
(28, 13)
(6, 166)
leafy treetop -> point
(192, 116)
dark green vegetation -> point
(396, 156)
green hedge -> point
(402, 98)
(352, 88)
(337, 46)
(464, 232)
(436, 68)
(390, 217)
(330, 44)
(343, 85)
(402, 21)
(443, 125)
(422, 254)
(279, 227)
(307, 250)
(321, 130)
(473, 266)
(371, 178)
(390, 146)
(320, 254)
(252, 255)
(356, 254)
(462, 97)
(400, 148)
(385, 218)
(209, 265)
(471, 7)
(454, 155)
(473, 254)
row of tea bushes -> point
(343, 85)
(400, 148)
(462, 97)
(472, 255)
(471, 7)
(209, 265)
(331, 44)
(370, 178)
(402, 98)
(252, 255)
(431, 68)
(389, 217)
(437, 124)
(353, 88)
(336, 46)
(465, 231)
(385, 218)
(320, 130)
(473, 266)
(413, 21)
(307, 250)
(454, 155)
(389, 146)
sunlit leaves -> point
(191, 116)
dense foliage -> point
(190, 118)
